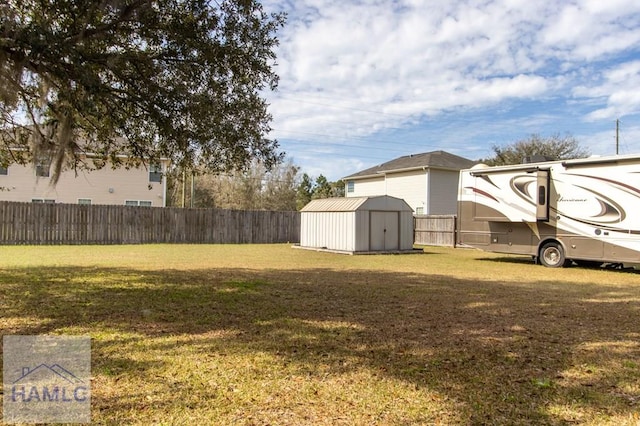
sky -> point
(365, 81)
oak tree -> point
(132, 81)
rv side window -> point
(542, 195)
(544, 184)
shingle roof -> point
(434, 160)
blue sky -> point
(366, 81)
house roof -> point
(350, 204)
(433, 160)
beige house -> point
(143, 186)
(428, 182)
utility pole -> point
(184, 186)
(193, 188)
(617, 135)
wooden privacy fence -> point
(434, 230)
(35, 223)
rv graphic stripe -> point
(632, 189)
(481, 192)
(521, 184)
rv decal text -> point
(571, 200)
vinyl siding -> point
(409, 186)
(105, 186)
(443, 192)
(368, 187)
(432, 189)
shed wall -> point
(331, 230)
(406, 231)
(362, 230)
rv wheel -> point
(552, 255)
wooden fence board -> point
(36, 223)
(434, 230)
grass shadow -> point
(499, 352)
(525, 260)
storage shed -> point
(357, 225)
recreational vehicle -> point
(585, 211)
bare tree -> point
(554, 147)
(257, 188)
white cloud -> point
(590, 29)
(350, 69)
(618, 88)
(376, 54)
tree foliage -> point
(179, 79)
(256, 188)
(554, 147)
(279, 191)
(304, 191)
(308, 189)
(322, 188)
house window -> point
(42, 169)
(43, 164)
(42, 200)
(351, 186)
(155, 173)
(419, 210)
(138, 203)
(4, 170)
(85, 201)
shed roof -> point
(434, 160)
(349, 204)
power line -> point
(455, 110)
(386, 148)
(334, 106)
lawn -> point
(267, 334)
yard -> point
(266, 334)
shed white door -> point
(385, 231)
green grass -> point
(256, 335)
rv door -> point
(542, 196)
